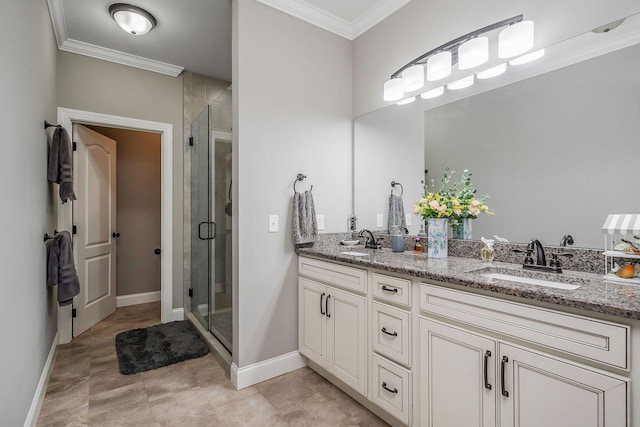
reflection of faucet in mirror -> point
(372, 242)
(567, 239)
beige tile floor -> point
(86, 389)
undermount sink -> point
(526, 277)
(353, 253)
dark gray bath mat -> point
(149, 348)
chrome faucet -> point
(372, 242)
(567, 239)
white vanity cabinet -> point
(332, 321)
(466, 375)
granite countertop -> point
(594, 293)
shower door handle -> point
(208, 236)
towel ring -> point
(393, 185)
(299, 177)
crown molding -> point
(320, 18)
(373, 16)
(75, 46)
(111, 55)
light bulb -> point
(529, 57)
(433, 93)
(515, 39)
(413, 78)
(473, 52)
(439, 66)
(393, 89)
(461, 84)
(492, 72)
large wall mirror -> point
(556, 144)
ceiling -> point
(194, 35)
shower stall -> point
(211, 210)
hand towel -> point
(68, 283)
(60, 167)
(53, 251)
(396, 213)
(305, 226)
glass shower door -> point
(211, 210)
(202, 223)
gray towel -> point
(305, 226)
(53, 251)
(61, 270)
(396, 213)
(60, 168)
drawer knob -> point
(394, 290)
(384, 331)
(394, 391)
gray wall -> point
(292, 100)
(138, 209)
(90, 84)
(423, 25)
(556, 152)
(28, 319)
(388, 145)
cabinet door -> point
(312, 329)
(553, 393)
(346, 338)
(457, 377)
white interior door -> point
(94, 214)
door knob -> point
(157, 251)
(114, 235)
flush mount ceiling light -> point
(468, 51)
(132, 19)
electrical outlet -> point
(379, 220)
(273, 223)
(408, 219)
(320, 222)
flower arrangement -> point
(466, 204)
(455, 203)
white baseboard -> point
(41, 389)
(135, 299)
(176, 314)
(267, 369)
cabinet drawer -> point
(392, 389)
(592, 339)
(392, 289)
(352, 279)
(391, 332)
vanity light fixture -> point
(393, 89)
(529, 57)
(433, 93)
(439, 66)
(516, 39)
(468, 51)
(132, 19)
(406, 101)
(492, 72)
(462, 83)
(413, 78)
(473, 53)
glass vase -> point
(463, 229)
(437, 243)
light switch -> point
(379, 220)
(408, 219)
(320, 222)
(273, 223)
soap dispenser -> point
(397, 239)
(418, 246)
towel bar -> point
(300, 177)
(48, 125)
(393, 185)
(47, 237)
